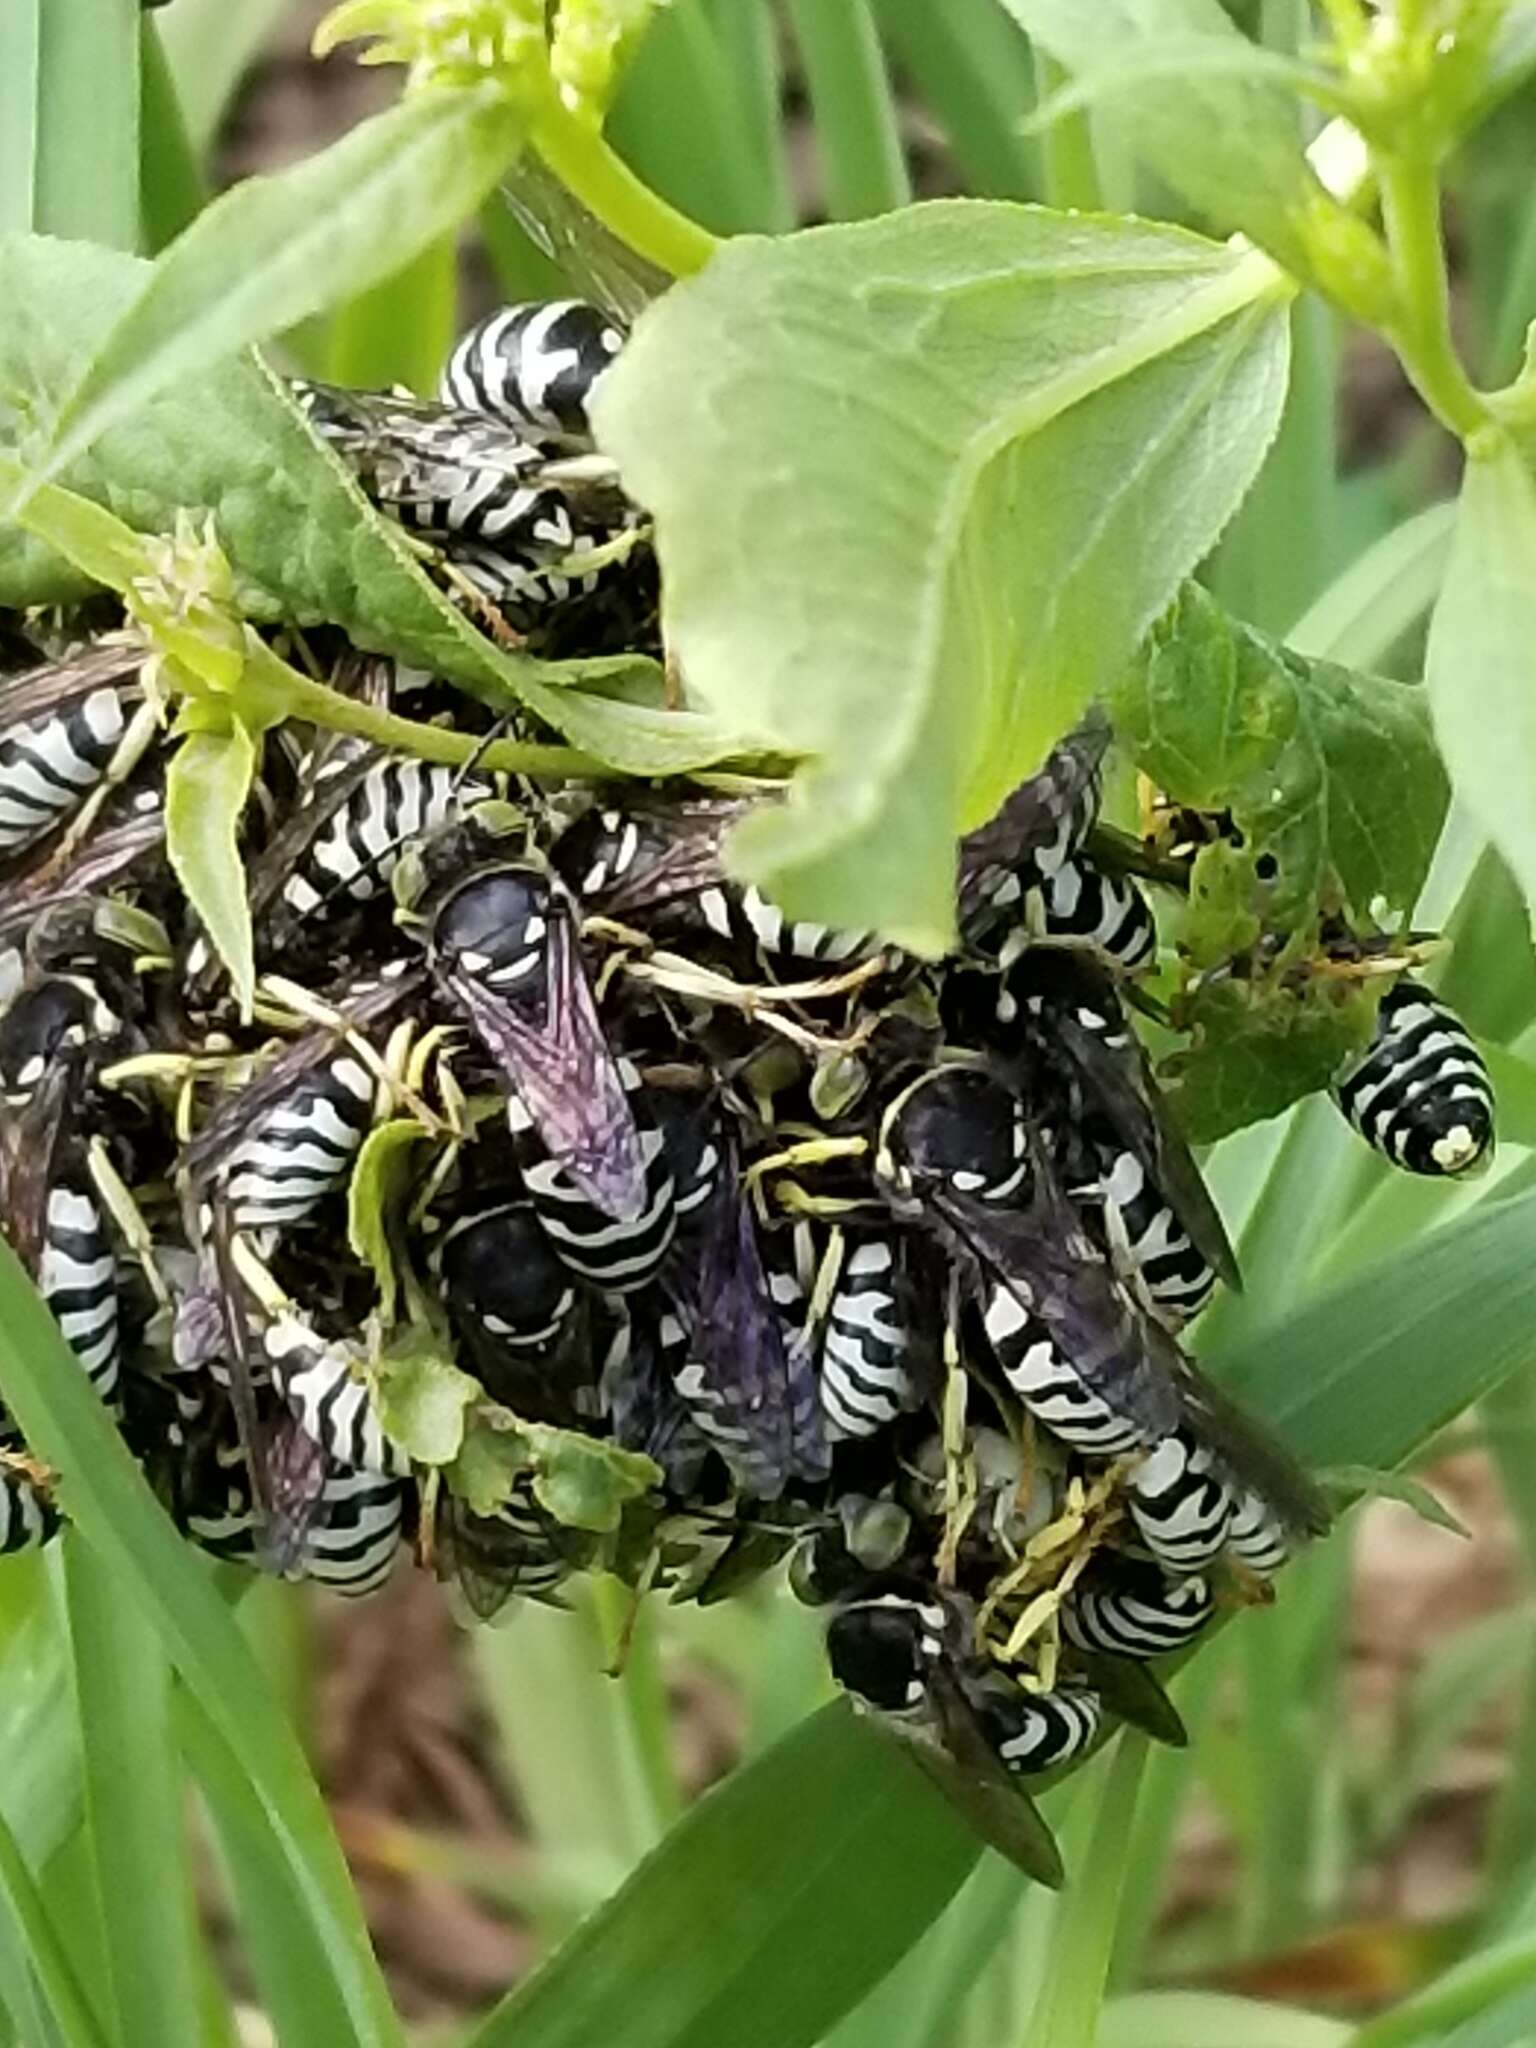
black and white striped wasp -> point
(1073, 1344)
(1039, 827)
(64, 728)
(1420, 1092)
(503, 947)
(533, 366)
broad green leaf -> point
(583, 1482)
(488, 1465)
(102, 1491)
(805, 1877)
(378, 1182)
(1228, 138)
(1481, 667)
(206, 787)
(424, 1400)
(304, 543)
(135, 1808)
(1332, 780)
(960, 554)
(274, 250)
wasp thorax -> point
(41, 1025)
(494, 927)
(883, 1650)
(961, 1127)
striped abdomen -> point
(327, 1399)
(1134, 1611)
(1181, 1505)
(350, 1546)
(301, 1150)
(617, 1255)
(1032, 1731)
(1049, 1386)
(867, 1378)
(746, 917)
(358, 847)
(1420, 1093)
(533, 366)
(50, 764)
(1141, 1225)
(77, 1277)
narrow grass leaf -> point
(135, 1809)
(1383, 593)
(206, 788)
(677, 122)
(172, 191)
(970, 64)
(1208, 2019)
(87, 184)
(1481, 667)
(1483, 1982)
(798, 1883)
(921, 615)
(1067, 2013)
(277, 249)
(20, 49)
(60, 1990)
(858, 135)
(102, 1491)
(747, 33)
(286, 1948)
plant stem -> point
(1410, 199)
(1066, 146)
(609, 189)
(271, 688)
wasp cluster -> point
(874, 1263)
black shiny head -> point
(499, 1269)
(884, 1648)
(494, 928)
(961, 1130)
(40, 1027)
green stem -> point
(271, 690)
(1066, 146)
(609, 189)
(1410, 199)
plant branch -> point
(590, 169)
(1421, 334)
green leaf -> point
(1481, 665)
(102, 1491)
(1211, 2019)
(808, 1875)
(1383, 593)
(274, 250)
(424, 1400)
(206, 787)
(135, 1809)
(87, 142)
(20, 43)
(490, 1460)
(62, 1994)
(1361, 1481)
(374, 1193)
(304, 542)
(960, 554)
(1228, 136)
(585, 1483)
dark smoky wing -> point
(676, 855)
(1029, 818)
(239, 1350)
(966, 1769)
(56, 687)
(1250, 1454)
(31, 1141)
(645, 1411)
(1046, 1260)
(296, 1469)
(1133, 1692)
(317, 800)
(565, 1075)
(104, 858)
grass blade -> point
(88, 122)
(285, 1948)
(747, 33)
(800, 1881)
(1207, 2019)
(103, 1492)
(134, 1810)
(971, 65)
(864, 169)
(400, 331)
(171, 188)
(60, 1990)
(1361, 617)
(274, 250)
(1067, 2015)
(20, 48)
(209, 45)
(678, 122)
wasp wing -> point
(556, 1056)
(1249, 1453)
(296, 1470)
(31, 1142)
(577, 243)
(1064, 791)
(676, 853)
(1130, 1690)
